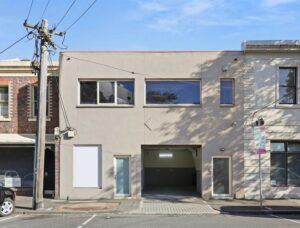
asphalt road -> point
(89, 221)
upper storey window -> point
(227, 92)
(110, 92)
(35, 101)
(173, 92)
(287, 85)
(4, 103)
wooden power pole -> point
(44, 34)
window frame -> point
(33, 117)
(172, 80)
(233, 92)
(286, 153)
(297, 85)
(3, 118)
(115, 103)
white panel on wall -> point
(87, 166)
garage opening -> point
(171, 172)
(16, 168)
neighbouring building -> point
(271, 87)
(18, 110)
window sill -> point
(99, 188)
(172, 106)
(285, 186)
(227, 105)
(105, 106)
(5, 119)
(34, 119)
(287, 106)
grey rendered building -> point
(147, 122)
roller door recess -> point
(172, 167)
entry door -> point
(221, 179)
(122, 173)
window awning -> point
(23, 139)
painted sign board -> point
(260, 139)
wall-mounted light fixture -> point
(224, 69)
(165, 155)
(233, 124)
(222, 149)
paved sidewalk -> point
(277, 206)
(188, 206)
(159, 207)
(24, 206)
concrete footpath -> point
(136, 206)
(277, 206)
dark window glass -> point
(278, 169)
(88, 92)
(287, 85)
(221, 175)
(4, 101)
(285, 164)
(293, 147)
(35, 101)
(125, 91)
(173, 92)
(227, 87)
(293, 171)
(106, 92)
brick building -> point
(18, 108)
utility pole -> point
(44, 34)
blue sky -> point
(154, 24)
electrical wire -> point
(64, 112)
(45, 9)
(252, 115)
(17, 41)
(65, 14)
(271, 103)
(91, 5)
(29, 11)
(106, 65)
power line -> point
(81, 15)
(17, 41)
(61, 102)
(271, 103)
(252, 115)
(106, 65)
(29, 11)
(45, 9)
(65, 14)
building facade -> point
(144, 122)
(18, 111)
(271, 91)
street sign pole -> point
(260, 183)
(260, 148)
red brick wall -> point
(19, 106)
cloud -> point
(272, 3)
(191, 15)
(165, 24)
(175, 13)
(197, 7)
(152, 6)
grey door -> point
(221, 176)
(122, 176)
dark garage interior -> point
(171, 171)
